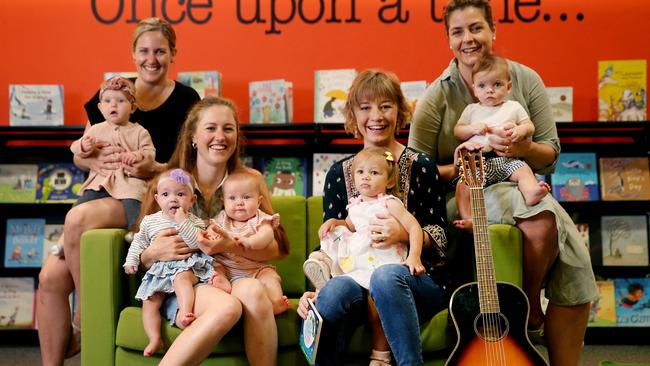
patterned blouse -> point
(419, 190)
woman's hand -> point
(215, 240)
(143, 169)
(385, 230)
(303, 305)
(167, 246)
(105, 160)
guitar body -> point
(492, 339)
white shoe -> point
(57, 250)
(317, 272)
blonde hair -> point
(242, 175)
(155, 25)
(380, 154)
(372, 85)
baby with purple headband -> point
(130, 140)
(174, 196)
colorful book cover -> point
(24, 243)
(575, 177)
(624, 240)
(310, 333)
(413, 91)
(35, 105)
(268, 101)
(285, 176)
(16, 302)
(632, 302)
(289, 100)
(603, 310)
(624, 179)
(18, 183)
(59, 182)
(561, 98)
(204, 82)
(622, 90)
(321, 165)
(331, 91)
(50, 238)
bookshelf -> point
(608, 139)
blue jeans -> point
(403, 303)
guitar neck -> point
(488, 298)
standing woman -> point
(162, 107)
(375, 110)
(208, 148)
(554, 255)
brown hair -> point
(491, 63)
(483, 5)
(242, 175)
(380, 154)
(119, 83)
(155, 25)
(372, 85)
(184, 155)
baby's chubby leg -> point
(184, 289)
(151, 321)
(271, 281)
(532, 189)
(219, 279)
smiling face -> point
(470, 35)
(115, 107)
(492, 86)
(171, 195)
(376, 121)
(371, 175)
(215, 135)
(152, 57)
(241, 197)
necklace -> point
(157, 100)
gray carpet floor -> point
(591, 355)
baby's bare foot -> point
(464, 224)
(536, 194)
(154, 346)
(281, 306)
(187, 319)
(220, 281)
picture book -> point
(204, 82)
(575, 177)
(330, 93)
(268, 101)
(18, 183)
(35, 105)
(50, 238)
(16, 302)
(59, 182)
(310, 333)
(624, 240)
(413, 91)
(632, 302)
(624, 179)
(24, 243)
(561, 98)
(285, 176)
(603, 309)
(622, 90)
(583, 230)
(321, 165)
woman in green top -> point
(554, 255)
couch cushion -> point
(293, 217)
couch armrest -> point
(507, 253)
(102, 293)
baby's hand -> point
(87, 144)
(130, 158)
(415, 266)
(326, 228)
(518, 133)
(180, 215)
(131, 269)
(244, 242)
(480, 128)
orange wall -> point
(61, 42)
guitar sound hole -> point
(491, 327)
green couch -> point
(112, 332)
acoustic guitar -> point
(490, 317)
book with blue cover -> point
(310, 333)
(24, 243)
(603, 309)
(575, 177)
(632, 302)
(59, 182)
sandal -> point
(74, 343)
(380, 358)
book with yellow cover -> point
(622, 90)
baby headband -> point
(120, 84)
(178, 176)
(389, 156)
